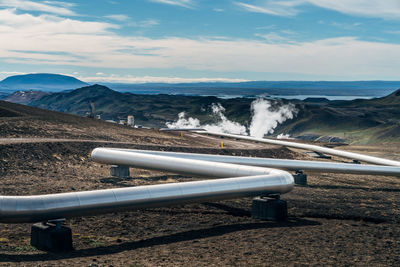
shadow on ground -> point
(155, 241)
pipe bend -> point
(243, 181)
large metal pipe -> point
(178, 165)
(329, 151)
(285, 164)
(253, 181)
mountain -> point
(361, 120)
(150, 110)
(25, 97)
(40, 81)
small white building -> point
(131, 120)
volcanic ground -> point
(337, 219)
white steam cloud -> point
(264, 120)
(183, 123)
(222, 124)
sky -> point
(136, 41)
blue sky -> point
(202, 40)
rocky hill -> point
(25, 97)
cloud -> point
(388, 9)
(27, 24)
(181, 3)
(9, 73)
(118, 17)
(124, 18)
(154, 79)
(218, 9)
(48, 40)
(393, 32)
(148, 23)
(346, 26)
(271, 8)
(274, 37)
(53, 7)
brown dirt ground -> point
(336, 220)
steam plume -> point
(183, 123)
(266, 118)
(222, 124)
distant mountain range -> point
(55, 83)
(40, 81)
(257, 88)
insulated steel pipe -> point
(22, 209)
(330, 151)
(249, 181)
(285, 164)
(178, 165)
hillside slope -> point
(361, 120)
(21, 121)
(25, 97)
(150, 110)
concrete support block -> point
(50, 237)
(120, 171)
(300, 178)
(273, 209)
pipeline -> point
(243, 181)
(284, 164)
(329, 151)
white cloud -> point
(181, 3)
(274, 37)
(54, 7)
(154, 79)
(346, 26)
(272, 8)
(9, 73)
(26, 24)
(48, 40)
(118, 17)
(148, 23)
(387, 9)
(393, 32)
